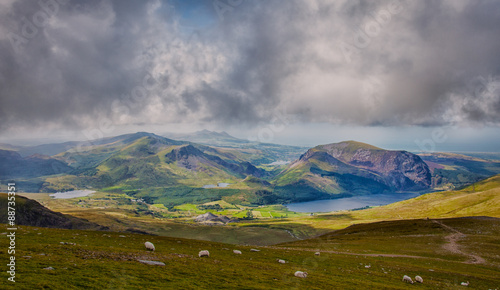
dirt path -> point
(452, 244)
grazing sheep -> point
(300, 274)
(238, 252)
(204, 253)
(465, 283)
(281, 261)
(149, 246)
(407, 279)
(317, 253)
(419, 279)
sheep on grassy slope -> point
(281, 261)
(300, 274)
(204, 253)
(237, 252)
(419, 279)
(465, 283)
(407, 279)
(149, 246)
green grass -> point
(107, 260)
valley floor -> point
(271, 224)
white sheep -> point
(300, 274)
(407, 279)
(281, 261)
(204, 253)
(317, 253)
(149, 246)
(465, 283)
(238, 252)
(419, 279)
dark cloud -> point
(348, 62)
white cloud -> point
(418, 60)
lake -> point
(71, 194)
(328, 205)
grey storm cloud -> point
(73, 63)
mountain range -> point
(260, 153)
(172, 172)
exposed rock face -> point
(212, 218)
(401, 170)
(352, 166)
(190, 157)
(186, 156)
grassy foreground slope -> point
(366, 257)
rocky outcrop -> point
(354, 168)
(400, 170)
(190, 157)
(210, 218)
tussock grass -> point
(349, 259)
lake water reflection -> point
(71, 194)
(347, 203)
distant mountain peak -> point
(224, 133)
(354, 145)
(146, 134)
(213, 133)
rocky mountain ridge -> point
(352, 168)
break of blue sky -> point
(192, 14)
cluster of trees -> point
(265, 197)
(216, 207)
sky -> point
(415, 75)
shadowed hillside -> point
(30, 212)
